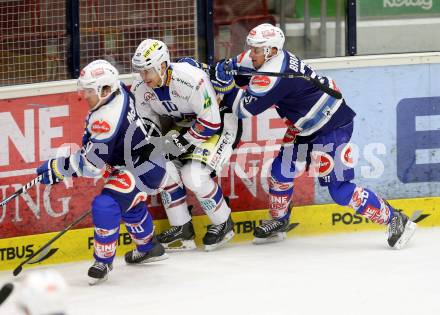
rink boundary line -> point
(77, 244)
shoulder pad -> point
(104, 122)
(187, 75)
(261, 84)
(136, 84)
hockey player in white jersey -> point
(203, 144)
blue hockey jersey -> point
(311, 110)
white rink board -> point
(340, 274)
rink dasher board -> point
(77, 244)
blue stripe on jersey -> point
(163, 93)
(218, 195)
(322, 113)
(177, 193)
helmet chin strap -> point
(101, 101)
(162, 77)
(266, 54)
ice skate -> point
(272, 231)
(400, 230)
(98, 272)
(155, 254)
(217, 235)
(178, 238)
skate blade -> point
(153, 259)
(227, 238)
(410, 228)
(179, 246)
(95, 281)
(278, 237)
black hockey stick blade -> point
(6, 291)
(291, 226)
(43, 255)
(45, 246)
(17, 270)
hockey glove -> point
(175, 145)
(195, 63)
(50, 172)
(220, 72)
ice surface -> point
(352, 273)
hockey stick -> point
(23, 189)
(5, 292)
(20, 267)
(314, 81)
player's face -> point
(257, 56)
(90, 96)
(151, 78)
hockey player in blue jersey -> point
(110, 149)
(319, 128)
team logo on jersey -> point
(347, 156)
(207, 102)
(150, 96)
(322, 164)
(122, 181)
(100, 126)
(260, 81)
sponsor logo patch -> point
(150, 96)
(347, 156)
(260, 81)
(322, 164)
(359, 198)
(268, 33)
(152, 48)
(105, 250)
(97, 72)
(100, 126)
(121, 181)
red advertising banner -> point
(34, 129)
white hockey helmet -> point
(150, 54)
(98, 74)
(43, 292)
(267, 36)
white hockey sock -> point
(176, 207)
(215, 206)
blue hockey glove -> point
(50, 172)
(221, 74)
(195, 63)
